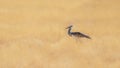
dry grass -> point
(33, 34)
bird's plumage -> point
(76, 34)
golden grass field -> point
(33, 34)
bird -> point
(76, 34)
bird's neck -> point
(69, 31)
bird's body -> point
(76, 34)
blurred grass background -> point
(33, 34)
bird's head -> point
(69, 26)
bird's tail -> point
(87, 36)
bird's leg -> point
(80, 40)
(77, 39)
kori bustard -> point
(76, 34)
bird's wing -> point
(82, 35)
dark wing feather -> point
(80, 35)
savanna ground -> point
(33, 34)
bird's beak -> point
(66, 28)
